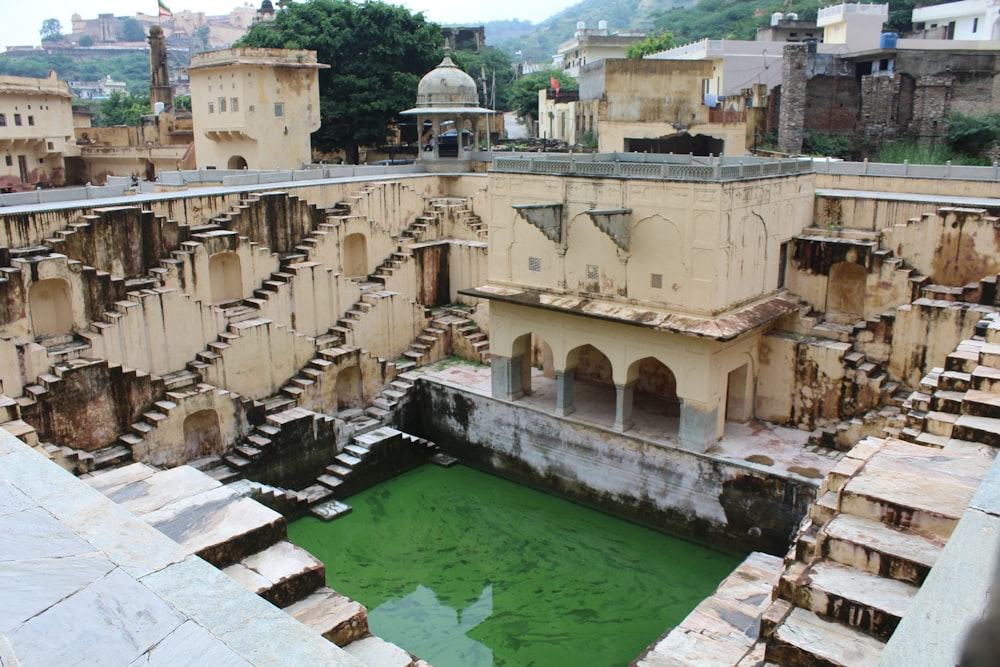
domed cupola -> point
(447, 86)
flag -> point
(164, 10)
(554, 83)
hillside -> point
(713, 19)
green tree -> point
(972, 135)
(182, 103)
(652, 44)
(122, 109)
(51, 31)
(377, 55)
(132, 31)
(524, 96)
(498, 69)
(86, 40)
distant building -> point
(36, 131)
(966, 19)
(854, 25)
(98, 90)
(589, 45)
(254, 108)
(788, 28)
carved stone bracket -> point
(547, 217)
(615, 223)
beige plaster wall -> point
(928, 186)
(714, 245)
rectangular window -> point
(50, 145)
(10, 161)
(31, 120)
(17, 119)
(211, 108)
(279, 109)
(782, 260)
(252, 108)
(3, 120)
(656, 280)
(222, 105)
(593, 272)
(975, 25)
(234, 104)
(534, 264)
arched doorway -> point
(50, 307)
(350, 389)
(593, 386)
(224, 276)
(237, 162)
(739, 395)
(202, 436)
(654, 399)
(356, 255)
(845, 291)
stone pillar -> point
(698, 426)
(564, 392)
(623, 406)
(792, 115)
(505, 377)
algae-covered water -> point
(464, 569)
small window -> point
(656, 280)
(222, 105)
(41, 160)
(211, 108)
(234, 104)
(50, 145)
(279, 109)
(975, 25)
(17, 119)
(3, 120)
(31, 120)
(593, 272)
(10, 161)
(251, 108)
(534, 264)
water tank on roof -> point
(776, 18)
(581, 25)
(792, 16)
(888, 40)
(158, 107)
(602, 25)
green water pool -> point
(464, 569)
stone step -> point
(338, 470)
(356, 450)
(985, 430)
(347, 460)
(806, 639)
(281, 574)
(330, 482)
(879, 549)
(986, 378)
(316, 493)
(824, 509)
(375, 651)
(859, 599)
(893, 487)
(955, 381)
(443, 460)
(980, 404)
(330, 510)
(947, 401)
(338, 618)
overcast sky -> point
(21, 21)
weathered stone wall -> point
(791, 118)
(801, 382)
(721, 502)
(831, 104)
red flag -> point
(554, 83)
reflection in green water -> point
(465, 569)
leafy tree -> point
(132, 31)
(652, 44)
(377, 55)
(524, 96)
(499, 72)
(86, 40)
(122, 109)
(51, 30)
(182, 103)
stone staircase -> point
(877, 526)
(248, 542)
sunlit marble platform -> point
(83, 581)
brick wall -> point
(791, 117)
